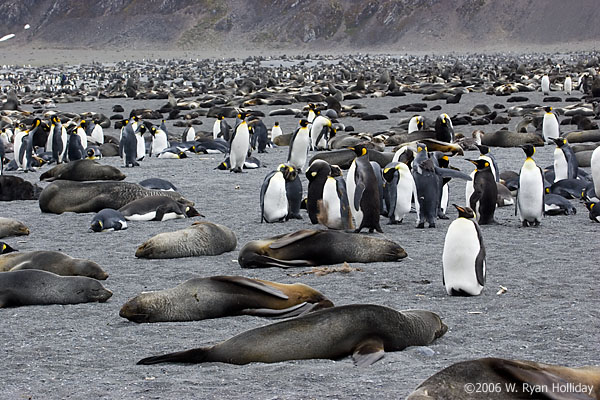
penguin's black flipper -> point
(292, 144)
(450, 173)
(480, 259)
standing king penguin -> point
(363, 191)
(239, 144)
(565, 162)
(595, 165)
(299, 145)
(530, 194)
(485, 192)
(273, 199)
(550, 125)
(463, 259)
(399, 191)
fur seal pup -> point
(82, 197)
(52, 261)
(83, 170)
(200, 239)
(36, 287)
(12, 227)
(157, 208)
(108, 219)
(450, 383)
(364, 331)
(223, 296)
(311, 247)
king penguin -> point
(239, 144)
(80, 131)
(18, 150)
(463, 258)
(334, 209)
(59, 140)
(140, 142)
(319, 132)
(415, 124)
(545, 85)
(484, 198)
(484, 154)
(363, 191)
(159, 141)
(128, 144)
(530, 193)
(399, 191)
(568, 85)
(317, 174)
(550, 125)
(29, 151)
(273, 199)
(96, 132)
(276, 131)
(2, 154)
(293, 192)
(299, 144)
(444, 131)
(595, 167)
(565, 162)
(594, 210)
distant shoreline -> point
(12, 54)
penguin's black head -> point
(141, 129)
(317, 167)
(420, 122)
(4, 248)
(483, 149)
(480, 164)
(191, 212)
(242, 115)
(444, 118)
(96, 226)
(83, 123)
(548, 109)
(443, 160)
(153, 131)
(303, 123)
(421, 147)
(560, 142)
(182, 154)
(36, 123)
(90, 153)
(464, 212)
(289, 173)
(529, 150)
(359, 149)
(311, 106)
(135, 118)
(276, 123)
(220, 116)
(389, 171)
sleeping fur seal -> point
(200, 239)
(51, 261)
(83, 170)
(223, 296)
(82, 197)
(455, 381)
(310, 247)
(36, 287)
(364, 331)
(12, 227)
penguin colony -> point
(348, 197)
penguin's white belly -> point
(172, 215)
(351, 189)
(404, 194)
(299, 151)
(216, 129)
(159, 143)
(275, 205)
(168, 154)
(140, 149)
(239, 149)
(550, 127)
(461, 248)
(531, 195)
(149, 216)
(331, 204)
(98, 134)
(469, 189)
(49, 140)
(444, 199)
(595, 165)
(560, 165)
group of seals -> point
(310, 247)
(222, 296)
(364, 331)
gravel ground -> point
(548, 314)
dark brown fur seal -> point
(51, 261)
(364, 331)
(83, 170)
(223, 296)
(310, 247)
(505, 138)
(36, 287)
(491, 378)
(82, 197)
(200, 239)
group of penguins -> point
(418, 179)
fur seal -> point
(583, 136)
(524, 377)
(36, 287)
(201, 239)
(51, 261)
(12, 227)
(364, 331)
(311, 247)
(83, 170)
(223, 296)
(505, 138)
(15, 188)
(82, 197)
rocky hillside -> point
(396, 25)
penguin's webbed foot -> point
(432, 225)
(421, 225)
(442, 216)
(394, 222)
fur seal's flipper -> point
(275, 262)
(188, 357)
(252, 283)
(293, 311)
(517, 371)
(290, 238)
(368, 352)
